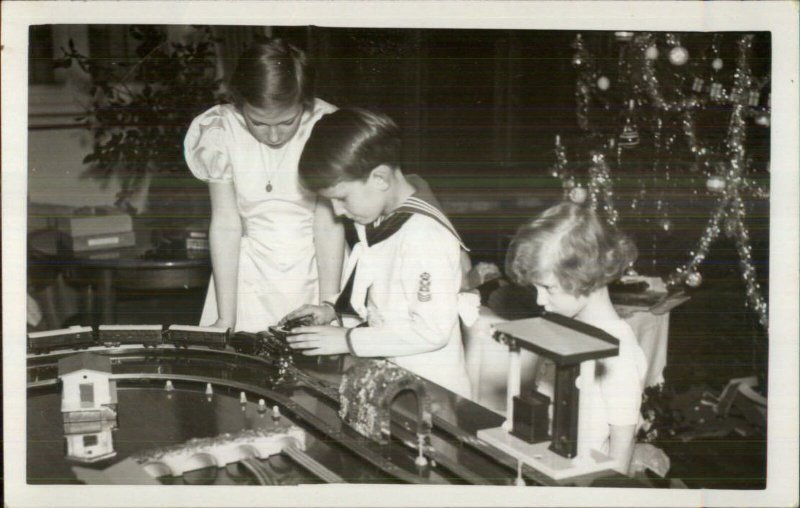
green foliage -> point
(141, 107)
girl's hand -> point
(320, 314)
(319, 340)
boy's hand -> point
(319, 340)
(319, 314)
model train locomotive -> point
(179, 336)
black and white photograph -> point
(400, 253)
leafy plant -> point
(141, 108)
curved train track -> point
(197, 366)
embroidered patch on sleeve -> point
(424, 292)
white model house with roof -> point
(88, 406)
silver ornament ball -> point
(578, 195)
(715, 183)
(678, 55)
(694, 279)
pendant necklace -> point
(275, 166)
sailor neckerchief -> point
(379, 231)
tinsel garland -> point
(600, 182)
(727, 177)
(731, 207)
(648, 73)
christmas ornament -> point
(715, 183)
(629, 136)
(665, 224)
(578, 195)
(753, 98)
(730, 228)
(716, 64)
(694, 279)
(651, 53)
(715, 91)
(623, 36)
(603, 83)
(678, 55)
(763, 120)
(697, 85)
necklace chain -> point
(274, 166)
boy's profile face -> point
(363, 201)
(551, 296)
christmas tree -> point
(674, 146)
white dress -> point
(277, 258)
(615, 395)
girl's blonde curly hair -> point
(582, 251)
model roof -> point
(82, 361)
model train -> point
(180, 336)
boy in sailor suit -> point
(404, 274)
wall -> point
(57, 143)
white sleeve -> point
(206, 147)
(430, 275)
(621, 388)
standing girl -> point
(274, 245)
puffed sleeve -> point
(206, 147)
(430, 275)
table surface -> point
(310, 400)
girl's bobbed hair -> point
(347, 145)
(582, 251)
(272, 73)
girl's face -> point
(554, 298)
(273, 126)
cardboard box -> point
(96, 222)
(99, 242)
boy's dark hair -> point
(272, 73)
(347, 145)
(570, 241)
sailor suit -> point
(404, 280)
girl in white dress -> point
(570, 256)
(274, 245)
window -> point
(90, 440)
(87, 394)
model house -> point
(88, 406)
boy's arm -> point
(430, 277)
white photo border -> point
(778, 17)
